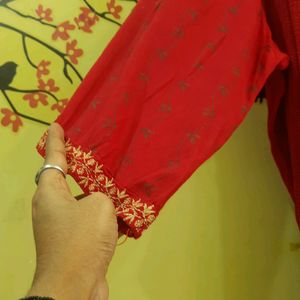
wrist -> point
(62, 286)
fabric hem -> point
(91, 176)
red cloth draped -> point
(168, 91)
(283, 94)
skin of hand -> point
(75, 240)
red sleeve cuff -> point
(134, 215)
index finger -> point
(55, 153)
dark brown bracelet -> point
(37, 298)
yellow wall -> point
(227, 234)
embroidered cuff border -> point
(91, 177)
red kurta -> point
(283, 93)
(169, 90)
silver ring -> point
(47, 167)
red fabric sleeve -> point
(168, 91)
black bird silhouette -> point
(7, 74)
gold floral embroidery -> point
(90, 175)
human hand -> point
(75, 240)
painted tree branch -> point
(26, 52)
(10, 88)
(52, 49)
(20, 114)
(28, 16)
